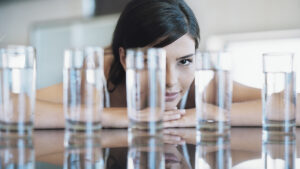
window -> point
(247, 58)
(247, 50)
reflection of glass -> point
(279, 93)
(83, 151)
(83, 89)
(145, 83)
(279, 154)
(17, 89)
(16, 152)
(213, 155)
(145, 151)
(213, 85)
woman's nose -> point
(171, 76)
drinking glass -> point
(145, 84)
(213, 90)
(279, 93)
(83, 88)
(17, 89)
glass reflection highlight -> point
(279, 153)
(16, 153)
(145, 151)
(83, 151)
(213, 154)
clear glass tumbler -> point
(279, 94)
(145, 84)
(213, 92)
(17, 89)
(83, 89)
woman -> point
(169, 24)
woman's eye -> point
(185, 61)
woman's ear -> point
(122, 57)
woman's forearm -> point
(114, 118)
(48, 115)
(51, 115)
(248, 113)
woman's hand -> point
(174, 139)
(188, 120)
(173, 114)
(180, 135)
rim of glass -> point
(84, 49)
(144, 49)
(278, 54)
(211, 51)
(18, 49)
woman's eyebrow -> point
(186, 56)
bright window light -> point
(259, 164)
(247, 58)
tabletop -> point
(245, 148)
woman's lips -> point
(171, 96)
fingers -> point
(181, 111)
(171, 131)
(173, 115)
(169, 117)
(173, 139)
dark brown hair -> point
(144, 22)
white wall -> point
(16, 18)
(215, 16)
(51, 39)
(238, 16)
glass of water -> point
(83, 88)
(213, 87)
(145, 84)
(17, 89)
(279, 93)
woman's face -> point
(179, 69)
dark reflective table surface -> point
(179, 148)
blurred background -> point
(247, 28)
